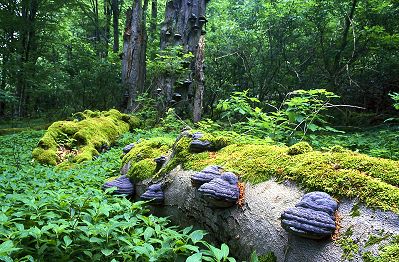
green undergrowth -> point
(63, 215)
(82, 137)
(377, 142)
(340, 172)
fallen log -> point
(276, 178)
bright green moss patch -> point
(141, 157)
(88, 133)
(299, 148)
(343, 174)
(388, 253)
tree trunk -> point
(28, 56)
(115, 22)
(184, 20)
(107, 29)
(199, 80)
(257, 226)
(134, 48)
(153, 23)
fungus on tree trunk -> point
(184, 20)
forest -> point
(199, 130)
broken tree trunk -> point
(183, 26)
(134, 49)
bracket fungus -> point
(312, 217)
(123, 184)
(127, 148)
(205, 176)
(222, 191)
(198, 146)
(154, 194)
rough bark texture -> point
(134, 48)
(184, 21)
(115, 23)
(256, 226)
(199, 78)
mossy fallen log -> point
(83, 137)
(276, 178)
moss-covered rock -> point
(141, 157)
(89, 132)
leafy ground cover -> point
(378, 142)
(48, 214)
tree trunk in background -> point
(199, 79)
(28, 56)
(115, 22)
(107, 29)
(134, 48)
(153, 22)
(183, 24)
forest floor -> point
(71, 189)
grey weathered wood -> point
(134, 52)
(256, 225)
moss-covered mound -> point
(83, 137)
(141, 157)
(341, 173)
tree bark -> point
(257, 226)
(199, 78)
(115, 23)
(154, 15)
(27, 52)
(134, 49)
(183, 24)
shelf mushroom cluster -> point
(197, 145)
(123, 186)
(313, 217)
(219, 189)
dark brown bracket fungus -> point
(222, 191)
(177, 36)
(312, 217)
(193, 18)
(205, 176)
(154, 194)
(127, 148)
(123, 186)
(187, 82)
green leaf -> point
(7, 247)
(67, 240)
(225, 250)
(148, 232)
(107, 252)
(197, 257)
(254, 257)
(196, 236)
(313, 127)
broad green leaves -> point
(64, 213)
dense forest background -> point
(59, 57)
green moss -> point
(338, 149)
(299, 148)
(348, 245)
(141, 157)
(268, 257)
(48, 156)
(88, 133)
(388, 253)
(372, 180)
